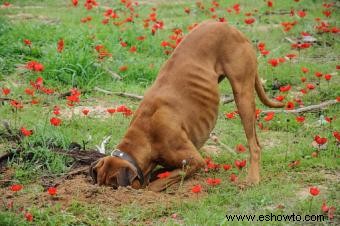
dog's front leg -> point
(191, 165)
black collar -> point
(123, 155)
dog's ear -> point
(126, 175)
(93, 170)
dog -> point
(180, 110)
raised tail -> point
(263, 96)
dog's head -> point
(114, 172)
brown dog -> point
(180, 110)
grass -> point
(45, 22)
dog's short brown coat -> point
(180, 109)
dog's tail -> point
(263, 96)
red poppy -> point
(324, 207)
(310, 86)
(213, 181)
(290, 56)
(34, 66)
(327, 13)
(240, 148)
(304, 70)
(233, 177)
(240, 164)
(105, 21)
(16, 187)
(16, 104)
(294, 163)
(187, 10)
(329, 119)
(285, 88)
(5, 91)
(163, 175)
(320, 140)
(141, 38)
(303, 91)
(300, 119)
(303, 79)
(318, 74)
(123, 68)
(213, 166)
(280, 98)
(26, 132)
(336, 134)
(269, 3)
(290, 105)
(7, 4)
(196, 189)
(314, 191)
(249, 20)
(269, 116)
(133, 49)
(27, 42)
(55, 121)
(123, 44)
(230, 115)
(111, 111)
(281, 59)
(56, 110)
(29, 92)
(52, 191)
(75, 2)
(331, 212)
(60, 46)
(265, 52)
(227, 167)
(328, 77)
(85, 111)
(28, 216)
(237, 9)
(301, 13)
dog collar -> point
(123, 155)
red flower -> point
(123, 44)
(301, 13)
(60, 44)
(314, 191)
(111, 111)
(187, 10)
(303, 91)
(133, 49)
(29, 92)
(26, 132)
(264, 52)
(56, 110)
(230, 115)
(269, 3)
(85, 111)
(318, 74)
(336, 134)
(303, 79)
(269, 116)
(327, 13)
(163, 175)
(240, 164)
(290, 105)
(55, 121)
(320, 140)
(28, 216)
(290, 56)
(280, 98)
(16, 104)
(227, 167)
(141, 38)
(240, 148)
(5, 91)
(294, 163)
(123, 68)
(324, 207)
(34, 66)
(300, 119)
(75, 2)
(310, 86)
(285, 88)
(196, 189)
(213, 181)
(27, 42)
(233, 177)
(16, 187)
(273, 62)
(304, 70)
(249, 20)
(52, 191)
(261, 46)
(328, 77)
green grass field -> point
(98, 47)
